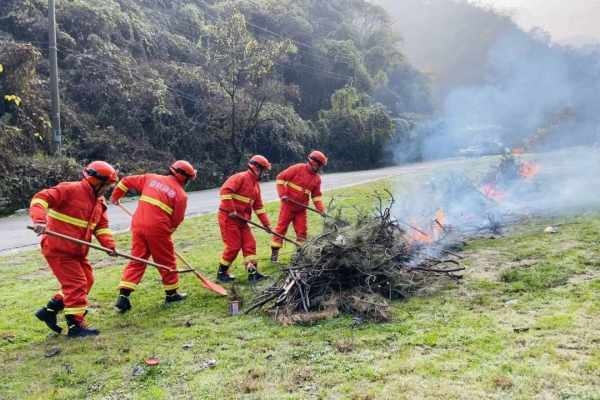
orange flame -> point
(439, 224)
(419, 235)
(490, 191)
(529, 169)
(431, 234)
(440, 217)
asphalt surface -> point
(14, 235)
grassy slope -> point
(457, 343)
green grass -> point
(523, 324)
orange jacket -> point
(241, 193)
(71, 208)
(299, 182)
(162, 202)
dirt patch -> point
(488, 264)
(483, 264)
(587, 276)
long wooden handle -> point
(287, 239)
(107, 250)
(322, 214)
(125, 209)
(207, 283)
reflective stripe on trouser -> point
(144, 245)
(76, 279)
(236, 236)
(287, 216)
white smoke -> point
(537, 96)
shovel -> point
(204, 281)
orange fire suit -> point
(299, 183)
(71, 208)
(160, 210)
(241, 194)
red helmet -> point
(318, 157)
(98, 172)
(182, 168)
(260, 161)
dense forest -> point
(144, 82)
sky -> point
(574, 22)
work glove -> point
(112, 253)
(39, 228)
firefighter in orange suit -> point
(160, 210)
(240, 194)
(298, 184)
(76, 209)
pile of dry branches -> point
(355, 269)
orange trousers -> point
(236, 236)
(162, 250)
(290, 215)
(76, 279)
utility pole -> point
(54, 94)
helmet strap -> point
(256, 169)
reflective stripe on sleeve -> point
(122, 186)
(41, 202)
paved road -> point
(13, 234)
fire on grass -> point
(359, 268)
(512, 170)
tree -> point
(242, 68)
(354, 131)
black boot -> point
(254, 275)
(48, 314)
(223, 274)
(173, 296)
(274, 254)
(78, 327)
(123, 304)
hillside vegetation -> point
(144, 82)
